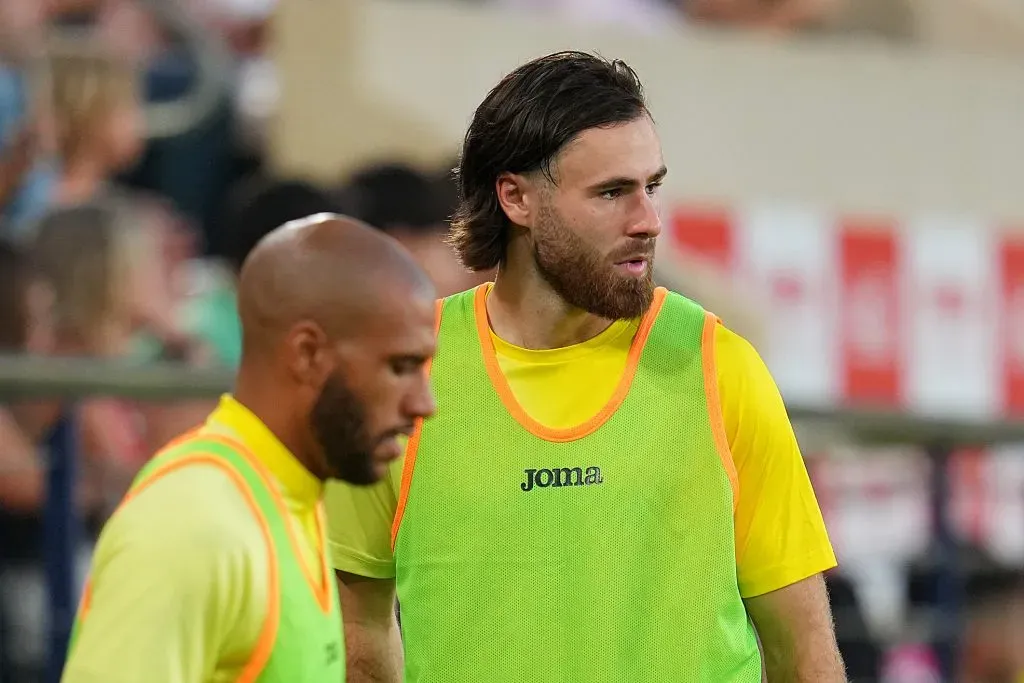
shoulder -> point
(180, 579)
(464, 300)
(678, 322)
(189, 534)
(197, 509)
(750, 400)
(735, 356)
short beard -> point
(338, 422)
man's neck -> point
(266, 406)
(525, 311)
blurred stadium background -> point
(846, 190)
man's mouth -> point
(635, 265)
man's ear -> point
(307, 352)
(517, 195)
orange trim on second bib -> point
(322, 589)
(86, 601)
(504, 392)
(710, 368)
(414, 444)
(268, 632)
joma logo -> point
(565, 476)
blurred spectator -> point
(255, 207)
(92, 254)
(126, 28)
(642, 15)
(243, 23)
(653, 15)
(414, 209)
(195, 167)
(22, 23)
(773, 15)
(29, 161)
(991, 651)
(163, 246)
(25, 326)
(26, 175)
(98, 115)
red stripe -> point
(1011, 306)
(968, 474)
(869, 312)
(705, 230)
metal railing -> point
(24, 378)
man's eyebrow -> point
(623, 181)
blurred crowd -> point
(121, 238)
(121, 244)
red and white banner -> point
(924, 313)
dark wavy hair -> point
(521, 126)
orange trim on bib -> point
(504, 392)
(710, 368)
(322, 589)
(414, 444)
(268, 633)
(86, 601)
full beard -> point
(583, 278)
(339, 425)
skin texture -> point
(563, 280)
(338, 323)
(797, 636)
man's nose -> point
(421, 401)
(647, 222)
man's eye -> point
(405, 366)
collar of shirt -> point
(298, 483)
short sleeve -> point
(359, 520)
(174, 587)
(780, 533)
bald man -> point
(213, 567)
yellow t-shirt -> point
(780, 535)
(179, 586)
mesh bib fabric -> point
(607, 558)
(302, 642)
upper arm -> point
(359, 520)
(174, 586)
(780, 533)
(365, 601)
(373, 646)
